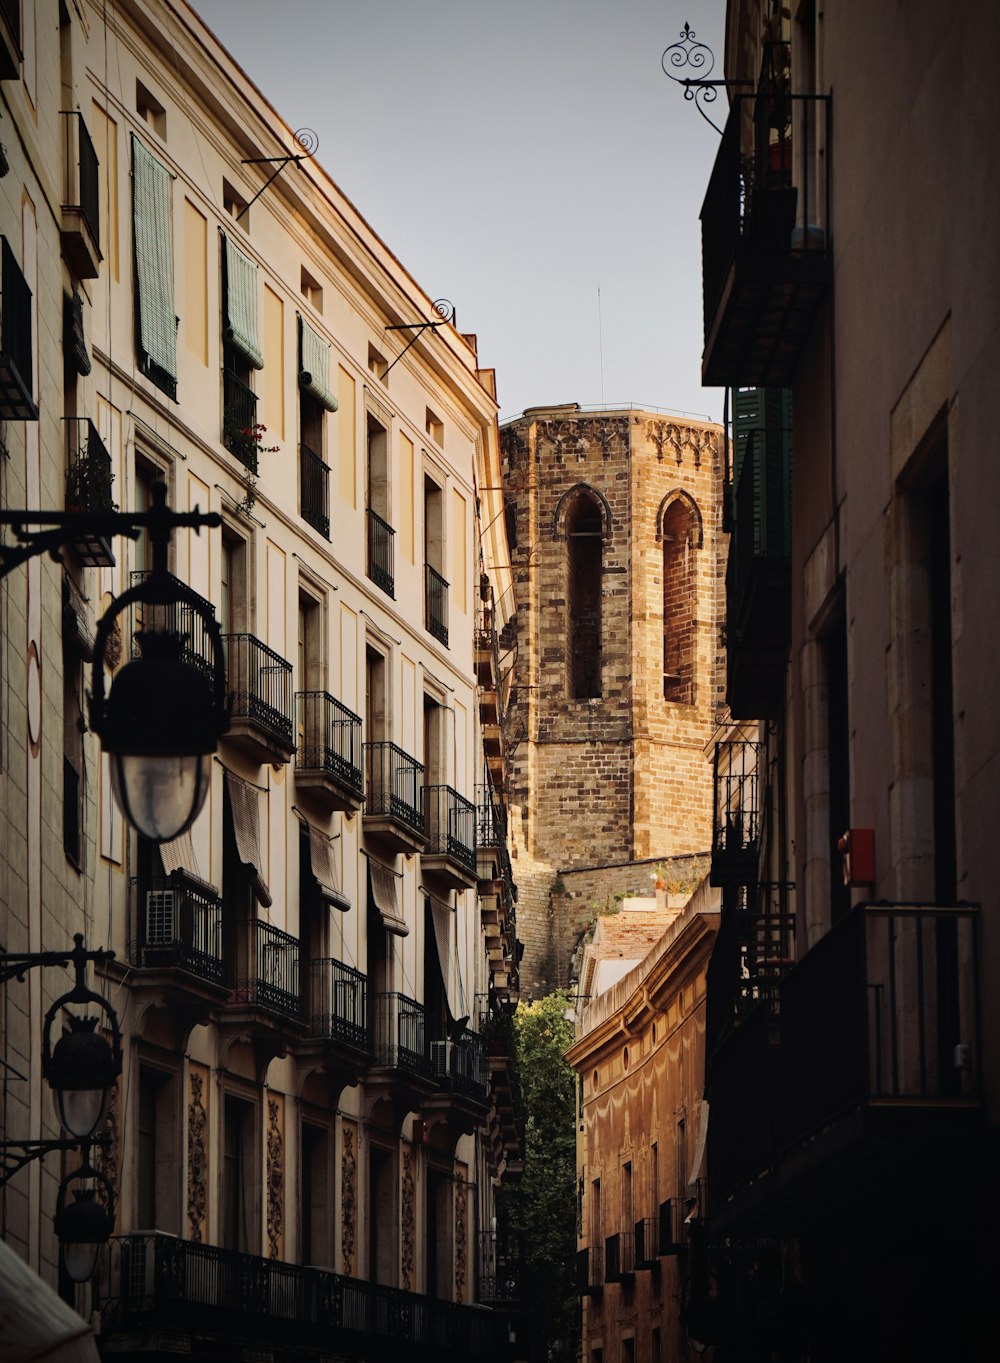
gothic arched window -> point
(584, 564)
(679, 530)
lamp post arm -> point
(14, 1155)
(14, 965)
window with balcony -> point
(155, 311)
(16, 346)
(74, 726)
(81, 218)
(157, 1151)
(10, 39)
(316, 1208)
(315, 400)
(241, 354)
(439, 1218)
(436, 587)
(380, 532)
(584, 572)
(382, 1222)
(239, 1174)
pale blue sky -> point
(514, 156)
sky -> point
(526, 159)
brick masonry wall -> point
(626, 776)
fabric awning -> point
(382, 896)
(179, 856)
(246, 826)
(324, 869)
(154, 262)
(36, 1325)
(240, 302)
(78, 622)
(314, 366)
(443, 916)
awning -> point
(246, 825)
(241, 331)
(36, 1325)
(314, 366)
(699, 1149)
(324, 869)
(442, 915)
(179, 856)
(382, 897)
(78, 622)
(154, 262)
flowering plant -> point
(247, 442)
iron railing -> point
(394, 785)
(89, 475)
(329, 738)
(239, 419)
(589, 1270)
(736, 812)
(451, 825)
(339, 999)
(671, 1226)
(274, 982)
(177, 926)
(156, 1282)
(647, 1242)
(314, 490)
(260, 685)
(461, 1064)
(175, 617)
(490, 828)
(501, 1269)
(436, 604)
(82, 187)
(400, 1037)
(16, 401)
(380, 553)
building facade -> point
(314, 983)
(853, 1056)
(615, 518)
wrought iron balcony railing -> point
(314, 490)
(89, 479)
(736, 813)
(329, 738)
(400, 1037)
(81, 214)
(461, 1064)
(153, 1283)
(380, 553)
(451, 825)
(436, 604)
(490, 828)
(647, 1242)
(274, 981)
(260, 685)
(175, 618)
(239, 420)
(16, 398)
(177, 926)
(339, 998)
(394, 785)
(501, 1270)
(590, 1270)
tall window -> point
(316, 1214)
(679, 534)
(157, 1152)
(238, 1175)
(584, 564)
(440, 1262)
(381, 1217)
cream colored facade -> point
(268, 1105)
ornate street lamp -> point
(84, 1225)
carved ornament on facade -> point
(610, 433)
(348, 1198)
(407, 1222)
(461, 1246)
(275, 1180)
(566, 436)
(106, 1155)
(197, 1182)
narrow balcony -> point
(766, 249)
(436, 604)
(450, 854)
(619, 1258)
(224, 1304)
(400, 1035)
(10, 39)
(460, 1065)
(736, 813)
(328, 754)
(178, 943)
(501, 1271)
(758, 573)
(339, 1006)
(380, 553)
(88, 487)
(272, 983)
(394, 798)
(590, 1271)
(314, 490)
(239, 420)
(175, 617)
(647, 1242)
(81, 214)
(16, 382)
(259, 683)
(670, 1230)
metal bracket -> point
(445, 311)
(306, 139)
(687, 51)
(14, 1155)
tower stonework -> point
(615, 519)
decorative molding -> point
(106, 1156)
(197, 1179)
(348, 1200)
(608, 432)
(461, 1239)
(275, 1180)
(406, 1222)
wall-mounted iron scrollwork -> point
(691, 55)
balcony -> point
(436, 604)
(239, 420)
(647, 1242)
(590, 1271)
(450, 854)
(670, 1230)
(736, 814)
(259, 683)
(314, 490)
(619, 1258)
(501, 1271)
(272, 983)
(16, 383)
(10, 39)
(766, 252)
(339, 1005)
(175, 617)
(178, 944)
(491, 832)
(399, 1034)
(394, 798)
(88, 488)
(758, 573)
(225, 1304)
(380, 553)
(459, 1066)
(328, 755)
(81, 215)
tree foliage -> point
(542, 1206)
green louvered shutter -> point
(240, 303)
(152, 224)
(314, 366)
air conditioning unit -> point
(161, 923)
(442, 1057)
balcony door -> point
(440, 1204)
(382, 1216)
(239, 1175)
